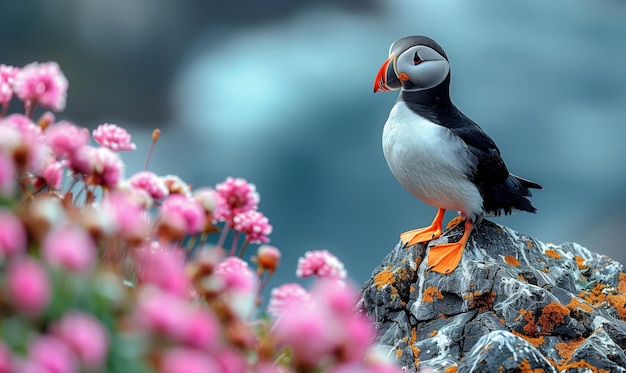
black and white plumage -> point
(437, 153)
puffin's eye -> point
(416, 59)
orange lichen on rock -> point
(482, 301)
(552, 315)
(580, 364)
(524, 367)
(399, 353)
(566, 349)
(511, 260)
(451, 369)
(618, 301)
(416, 351)
(596, 296)
(535, 341)
(580, 262)
(384, 278)
(553, 254)
(576, 304)
(621, 285)
(530, 244)
(430, 293)
(433, 333)
(531, 328)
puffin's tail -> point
(511, 195)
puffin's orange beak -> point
(386, 79)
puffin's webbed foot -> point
(420, 235)
(444, 258)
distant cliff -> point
(514, 304)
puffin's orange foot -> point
(454, 221)
(419, 235)
(446, 257)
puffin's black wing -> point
(502, 191)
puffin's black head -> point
(415, 63)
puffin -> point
(440, 155)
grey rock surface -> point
(513, 304)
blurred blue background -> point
(280, 92)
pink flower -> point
(180, 213)
(236, 275)
(87, 337)
(267, 258)
(231, 361)
(21, 140)
(100, 166)
(176, 185)
(149, 182)
(7, 79)
(113, 137)
(254, 224)
(42, 83)
(28, 286)
(200, 328)
(162, 267)
(284, 296)
(208, 198)
(187, 360)
(160, 311)
(52, 174)
(12, 234)
(5, 358)
(70, 247)
(65, 138)
(8, 175)
(238, 196)
(129, 216)
(53, 354)
(321, 263)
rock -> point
(513, 304)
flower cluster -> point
(99, 272)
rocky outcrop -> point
(513, 304)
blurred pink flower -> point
(267, 258)
(52, 174)
(22, 140)
(5, 358)
(87, 337)
(236, 275)
(12, 234)
(28, 286)
(100, 166)
(176, 185)
(254, 224)
(42, 83)
(113, 137)
(160, 311)
(200, 328)
(307, 331)
(129, 216)
(208, 198)
(8, 175)
(284, 296)
(231, 360)
(187, 360)
(237, 196)
(182, 213)
(321, 263)
(163, 267)
(150, 182)
(65, 138)
(22, 365)
(69, 247)
(7, 79)
(53, 354)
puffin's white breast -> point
(430, 161)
